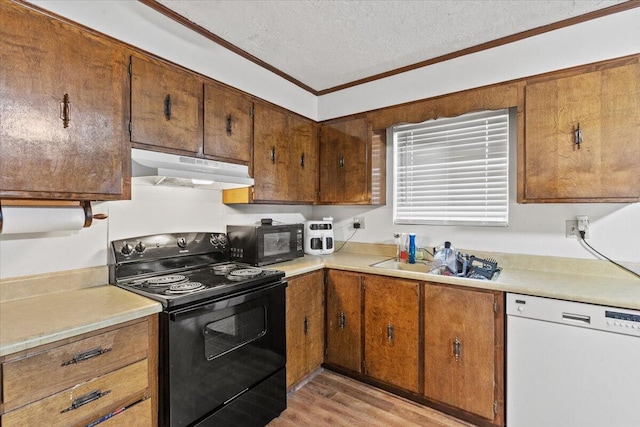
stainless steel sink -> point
(392, 264)
(418, 267)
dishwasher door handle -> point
(580, 318)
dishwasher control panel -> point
(584, 315)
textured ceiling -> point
(327, 43)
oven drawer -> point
(116, 389)
(30, 378)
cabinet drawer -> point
(138, 415)
(121, 387)
(33, 377)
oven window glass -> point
(229, 333)
(276, 243)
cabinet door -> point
(270, 154)
(228, 124)
(345, 162)
(305, 325)
(62, 97)
(303, 139)
(460, 349)
(166, 106)
(391, 310)
(605, 104)
(344, 316)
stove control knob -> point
(182, 242)
(140, 247)
(222, 241)
(213, 240)
(126, 249)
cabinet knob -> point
(229, 124)
(65, 111)
(167, 107)
(457, 348)
(341, 161)
(577, 136)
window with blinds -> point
(452, 171)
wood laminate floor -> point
(332, 400)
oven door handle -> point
(228, 301)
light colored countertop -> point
(44, 309)
(587, 281)
(30, 321)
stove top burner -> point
(244, 273)
(184, 288)
(223, 269)
(162, 281)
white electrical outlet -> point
(583, 222)
(572, 230)
(358, 222)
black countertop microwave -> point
(265, 244)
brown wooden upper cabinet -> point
(463, 350)
(62, 98)
(228, 124)
(352, 163)
(284, 156)
(581, 135)
(166, 106)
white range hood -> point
(156, 168)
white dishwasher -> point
(571, 364)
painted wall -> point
(151, 210)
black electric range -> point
(222, 339)
(180, 269)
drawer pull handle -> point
(390, 332)
(306, 325)
(343, 320)
(87, 398)
(89, 354)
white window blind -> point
(452, 170)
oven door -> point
(218, 351)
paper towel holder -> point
(86, 206)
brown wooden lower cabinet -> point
(463, 349)
(305, 325)
(437, 344)
(80, 380)
(344, 320)
(391, 350)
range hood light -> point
(201, 181)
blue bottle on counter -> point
(412, 248)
